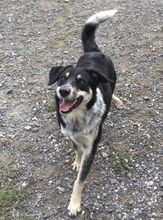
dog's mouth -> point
(68, 105)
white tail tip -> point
(101, 16)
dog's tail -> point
(88, 32)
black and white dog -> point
(83, 98)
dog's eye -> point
(82, 82)
(63, 77)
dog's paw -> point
(74, 208)
(76, 165)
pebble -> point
(61, 189)
(104, 154)
(161, 184)
(161, 194)
(1, 36)
(50, 182)
(129, 175)
(35, 124)
(146, 98)
(111, 209)
(27, 128)
(150, 183)
(130, 202)
(10, 91)
(24, 184)
(35, 129)
(113, 181)
(44, 102)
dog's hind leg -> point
(118, 103)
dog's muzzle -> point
(68, 100)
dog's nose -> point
(64, 92)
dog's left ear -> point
(55, 72)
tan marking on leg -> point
(118, 103)
(75, 201)
(77, 161)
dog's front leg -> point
(75, 201)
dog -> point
(83, 98)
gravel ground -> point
(35, 160)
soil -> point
(36, 176)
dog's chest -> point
(81, 130)
(83, 125)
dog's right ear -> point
(55, 72)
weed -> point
(51, 106)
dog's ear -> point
(99, 77)
(97, 63)
(55, 72)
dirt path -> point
(35, 160)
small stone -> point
(20, 60)
(113, 181)
(50, 182)
(110, 209)
(104, 154)
(161, 184)
(1, 135)
(10, 91)
(24, 184)
(35, 124)
(27, 128)
(44, 102)
(161, 194)
(130, 202)
(150, 183)
(146, 98)
(35, 129)
(55, 211)
(129, 175)
(39, 196)
(61, 189)
(66, 1)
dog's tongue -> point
(65, 105)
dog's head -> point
(75, 86)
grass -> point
(120, 161)
(51, 106)
(12, 196)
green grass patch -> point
(51, 106)
(12, 195)
(11, 198)
(120, 161)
